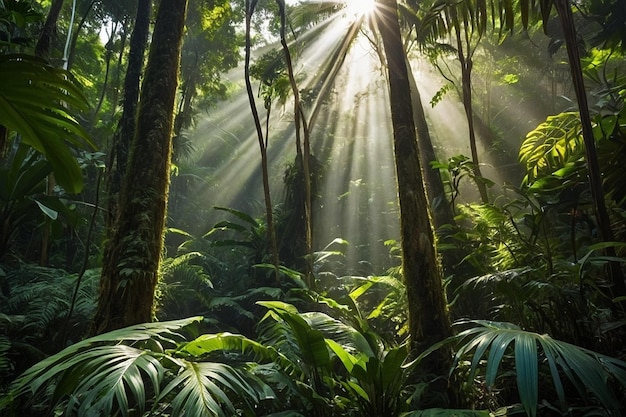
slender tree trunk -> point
(81, 24)
(595, 177)
(466, 79)
(42, 49)
(441, 209)
(130, 270)
(428, 316)
(303, 150)
(271, 229)
(126, 126)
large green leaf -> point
(199, 390)
(128, 369)
(37, 100)
(589, 372)
(209, 343)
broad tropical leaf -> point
(97, 374)
(199, 389)
(589, 372)
(129, 369)
(36, 100)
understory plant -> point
(34, 314)
(302, 363)
(550, 376)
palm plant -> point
(598, 379)
(135, 370)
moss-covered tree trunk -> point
(125, 132)
(130, 269)
(428, 316)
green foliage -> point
(538, 267)
(132, 369)
(270, 69)
(440, 94)
(17, 19)
(436, 412)
(589, 373)
(24, 202)
(34, 304)
(553, 153)
(457, 168)
(35, 100)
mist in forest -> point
(351, 139)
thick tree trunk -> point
(428, 316)
(126, 126)
(130, 270)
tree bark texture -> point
(126, 126)
(441, 210)
(130, 270)
(428, 316)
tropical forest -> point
(312, 208)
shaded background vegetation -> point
(532, 283)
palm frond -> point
(34, 100)
(589, 372)
(106, 372)
(199, 389)
(126, 369)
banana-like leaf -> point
(35, 100)
(209, 343)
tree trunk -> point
(271, 230)
(428, 316)
(595, 177)
(126, 126)
(42, 49)
(466, 79)
(130, 269)
(441, 210)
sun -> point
(360, 8)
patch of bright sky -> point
(356, 8)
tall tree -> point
(465, 51)
(263, 142)
(125, 132)
(130, 269)
(564, 10)
(428, 316)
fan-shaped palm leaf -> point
(588, 371)
(126, 369)
(96, 375)
(199, 389)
